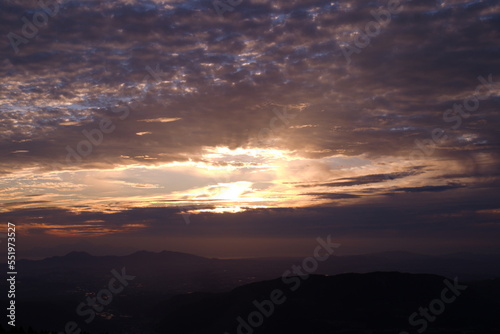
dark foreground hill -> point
(181, 293)
(379, 302)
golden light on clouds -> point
(160, 120)
(219, 180)
(247, 117)
(93, 229)
(243, 175)
(230, 209)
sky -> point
(250, 127)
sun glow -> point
(232, 191)
(226, 209)
(240, 154)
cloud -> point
(191, 96)
(217, 76)
(430, 188)
(159, 120)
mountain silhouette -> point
(378, 302)
(182, 293)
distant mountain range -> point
(39, 253)
(172, 292)
(172, 266)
